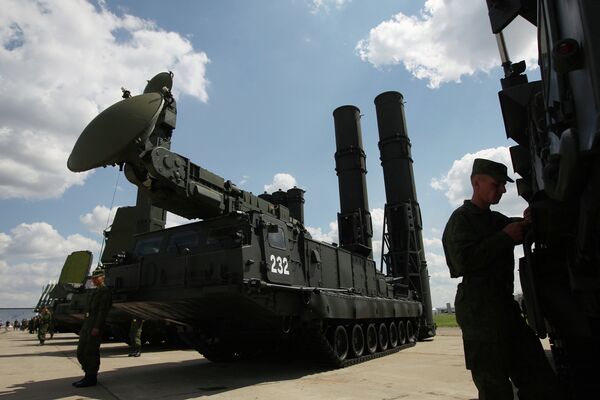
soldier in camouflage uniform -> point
(88, 349)
(45, 318)
(479, 246)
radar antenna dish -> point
(107, 138)
(160, 81)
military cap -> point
(98, 272)
(496, 170)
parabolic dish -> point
(156, 84)
(104, 140)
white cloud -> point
(432, 243)
(330, 236)
(31, 255)
(448, 39)
(4, 242)
(60, 64)
(281, 181)
(457, 183)
(40, 241)
(99, 219)
(244, 180)
(317, 6)
(176, 220)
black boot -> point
(78, 382)
(89, 380)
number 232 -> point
(279, 265)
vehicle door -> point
(276, 251)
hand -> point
(527, 215)
(515, 230)
(95, 332)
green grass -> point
(445, 320)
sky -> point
(256, 83)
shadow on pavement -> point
(174, 380)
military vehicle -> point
(556, 124)
(67, 298)
(248, 276)
(57, 296)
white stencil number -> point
(279, 265)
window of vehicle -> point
(228, 237)
(182, 240)
(147, 246)
(277, 239)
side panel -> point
(331, 273)
(359, 275)
(371, 278)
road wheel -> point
(340, 342)
(401, 333)
(371, 339)
(358, 341)
(410, 332)
(393, 335)
(382, 337)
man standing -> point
(479, 246)
(45, 320)
(88, 349)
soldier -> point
(135, 337)
(88, 349)
(51, 328)
(479, 244)
(44, 323)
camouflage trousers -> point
(88, 352)
(500, 349)
(42, 330)
(135, 334)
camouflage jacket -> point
(45, 319)
(478, 250)
(476, 247)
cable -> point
(112, 202)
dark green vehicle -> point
(58, 296)
(248, 276)
(555, 122)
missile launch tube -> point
(354, 219)
(396, 160)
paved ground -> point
(430, 370)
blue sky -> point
(256, 84)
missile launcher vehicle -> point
(555, 122)
(248, 276)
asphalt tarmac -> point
(431, 370)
